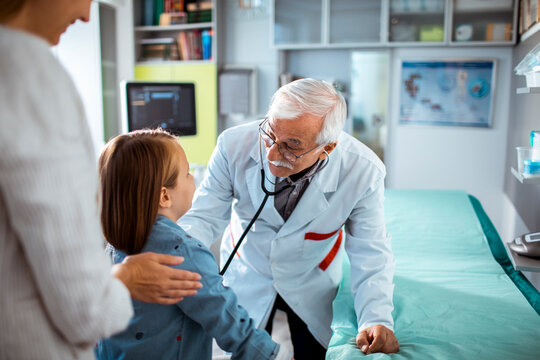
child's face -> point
(182, 193)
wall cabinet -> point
(304, 24)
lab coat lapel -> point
(313, 202)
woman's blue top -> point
(185, 330)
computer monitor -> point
(169, 105)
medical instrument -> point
(527, 245)
(267, 193)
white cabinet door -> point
(297, 22)
(369, 96)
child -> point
(146, 187)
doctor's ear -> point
(330, 147)
(164, 198)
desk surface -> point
(452, 299)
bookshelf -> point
(174, 31)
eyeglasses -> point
(282, 148)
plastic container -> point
(535, 138)
(532, 78)
(529, 62)
(528, 160)
(206, 40)
(531, 167)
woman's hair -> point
(314, 97)
(133, 168)
(10, 8)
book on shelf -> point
(195, 44)
(152, 11)
(173, 6)
(198, 16)
(183, 45)
(148, 12)
(173, 18)
(534, 9)
(159, 49)
(158, 10)
(529, 14)
(199, 5)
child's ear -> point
(164, 198)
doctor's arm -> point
(211, 209)
(372, 271)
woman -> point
(56, 305)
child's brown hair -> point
(133, 168)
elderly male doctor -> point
(330, 197)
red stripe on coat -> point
(332, 254)
(318, 237)
(232, 239)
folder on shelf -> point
(158, 9)
(148, 12)
(499, 32)
(183, 45)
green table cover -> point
(452, 298)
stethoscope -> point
(267, 194)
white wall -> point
(79, 52)
(443, 157)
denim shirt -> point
(185, 330)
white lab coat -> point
(298, 258)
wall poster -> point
(447, 92)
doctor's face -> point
(298, 136)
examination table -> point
(456, 294)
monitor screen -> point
(168, 105)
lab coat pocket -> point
(322, 246)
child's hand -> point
(149, 278)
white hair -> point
(314, 97)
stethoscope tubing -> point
(253, 219)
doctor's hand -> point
(149, 278)
(377, 338)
